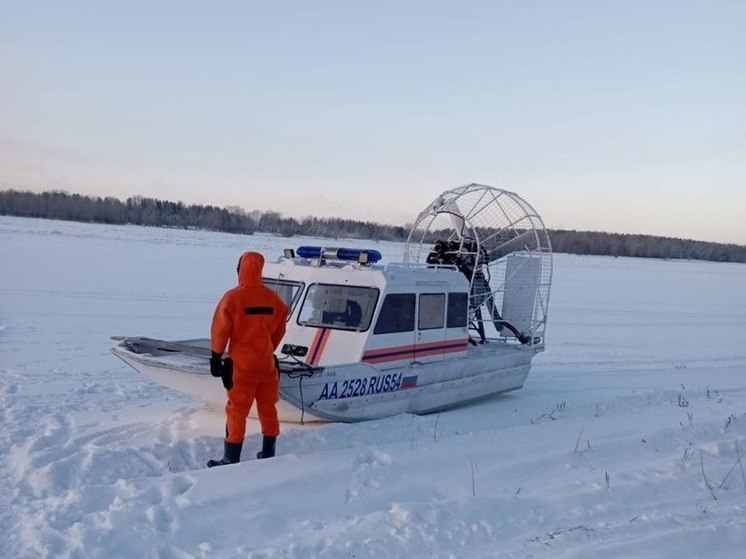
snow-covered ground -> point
(638, 404)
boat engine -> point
(470, 259)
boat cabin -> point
(346, 308)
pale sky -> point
(625, 116)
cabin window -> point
(397, 314)
(432, 309)
(289, 291)
(457, 309)
(345, 307)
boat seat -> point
(353, 314)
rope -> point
(305, 370)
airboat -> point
(458, 320)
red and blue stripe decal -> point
(412, 351)
(317, 346)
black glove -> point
(216, 364)
(228, 373)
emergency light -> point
(362, 255)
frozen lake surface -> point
(625, 441)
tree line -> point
(643, 246)
(139, 210)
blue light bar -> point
(332, 253)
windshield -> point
(289, 291)
(338, 306)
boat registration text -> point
(376, 384)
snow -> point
(642, 389)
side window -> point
(397, 314)
(432, 309)
(457, 303)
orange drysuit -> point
(252, 317)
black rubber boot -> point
(268, 448)
(231, 455)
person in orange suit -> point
(252, 318)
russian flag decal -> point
(409, 382)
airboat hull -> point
(190, 374)
(357, 392)
(350, 392)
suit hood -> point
(250, 267)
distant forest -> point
(163, 213)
